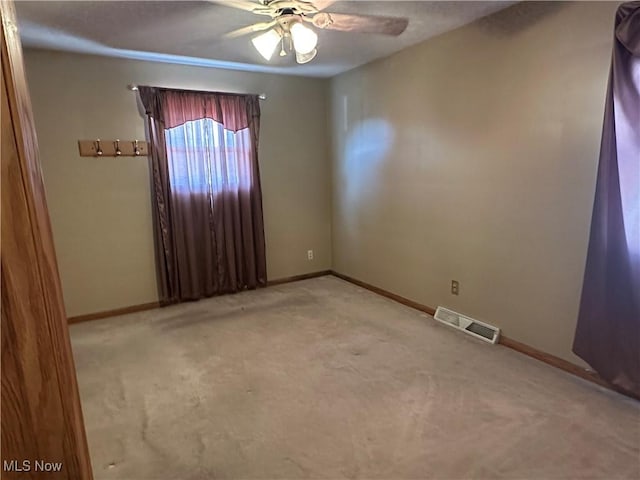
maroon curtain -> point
(206, 196)
(608, 331)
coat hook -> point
(98, 148)
(117, 145)
(136, 149)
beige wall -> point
(100, 208)
(473, 157)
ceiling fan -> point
(287, 25)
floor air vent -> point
(478, 329)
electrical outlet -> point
(309, 254)
(455, 287)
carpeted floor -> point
(322, 379)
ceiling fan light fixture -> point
(266, 43)
(306, 57)
(304, 39)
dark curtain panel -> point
(207, 202)
(608, 331)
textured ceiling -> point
(191, 32)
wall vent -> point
(473, 327)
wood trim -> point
(150, 306)
(113, 313)
(296, 278)
(41, 412)
(109, 148)
(523, 348)
(562, 364)
(405, 301)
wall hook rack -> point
(113, 148)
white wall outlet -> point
(309, 254)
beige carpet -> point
(322, 379)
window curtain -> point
(608, 331)
(206, 196)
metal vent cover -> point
(471, 326)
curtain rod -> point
(262, 96)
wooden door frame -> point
(41, 413)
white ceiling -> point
(190, 32)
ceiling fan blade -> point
(361, 23)
(247, 5)
(256, 27)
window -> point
(207, 201)
(204, 157)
